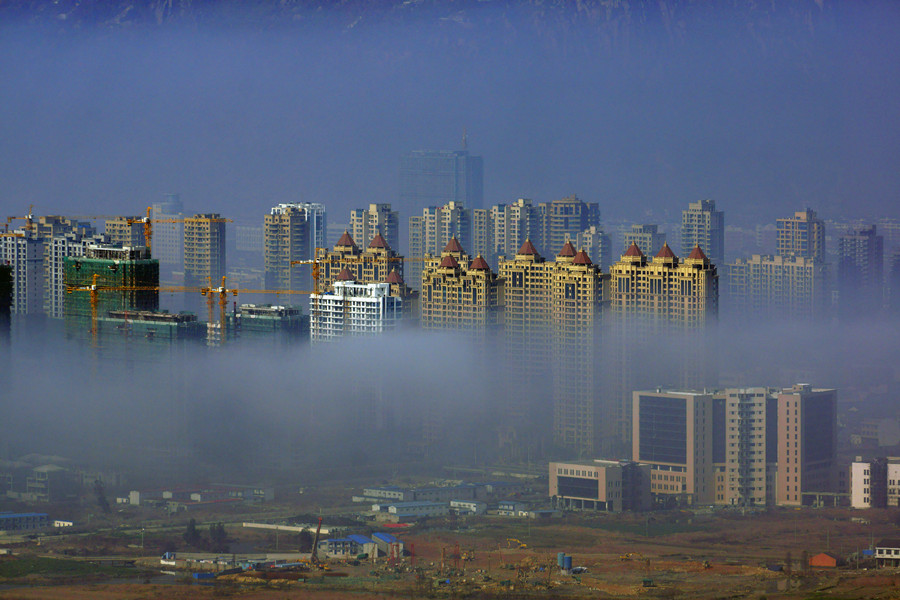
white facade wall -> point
(25, 255)
(860, 485)
(473, 507)
(69, 245)
(893, 477)
(353, 309)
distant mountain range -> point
(610, 23)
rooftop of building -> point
(414, 504)
(568, 250)
(153, 316)
(345, 240)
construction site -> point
(664, 554)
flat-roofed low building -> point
(512, 508)
(388, 493)
(415, 509)
(30, 521)
(284, 323)
(606, 485)
(468, 507)
(387, 543)
(887, 553)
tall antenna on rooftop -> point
(465, 139)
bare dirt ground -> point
(680, 554)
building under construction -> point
(109, 279)
(284, 324)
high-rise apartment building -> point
(673, 433)
(436, 178)
(353, 309)
(370, 266)
(128, 275)
(292, 232)
(704, 226)
(378, 218)
(778, 287)
(646, 236)
(667, 292)
(461, 294)
(665, 305)
(552, 313)
(71, 244)
(893, 281)
(567, 218)
(24, 253)
(168, 233)
(807, 444)
(509, 225)
(432, 231)
(204, 249)
(802, 235)
(598, 246)
(578, 291)
(126, 231)
(860, 272)
(528, 350)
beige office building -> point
(807, 445)
(673, 433)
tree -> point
(218, 539)
(191, 535)
(100, 493)
(305, 540)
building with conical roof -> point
(457, 296)
(371, 265)
(551, 320)
(579, 293)
(431, 231)
(666, 306)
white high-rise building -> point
(25, 254)
(353, 309)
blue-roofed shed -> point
(384, 541)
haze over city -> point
(397, 250)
